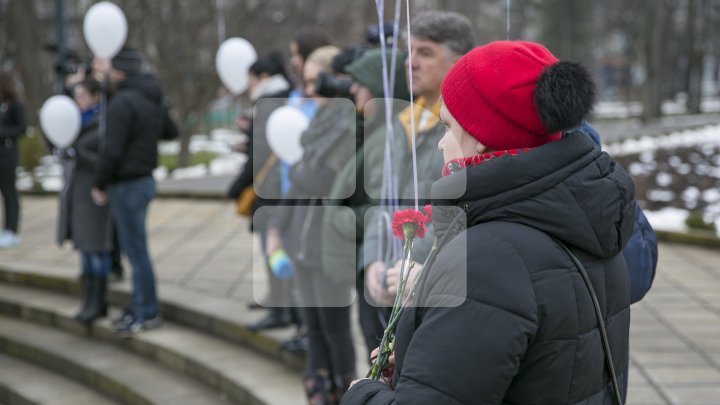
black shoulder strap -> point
(601, 323)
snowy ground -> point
(674, 175)
(48, 175)
(622, 109)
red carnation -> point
(428, 213)
(409, 223)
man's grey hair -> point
(448, 28)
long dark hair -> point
(310, 39)
(271, 64)
(8, 90)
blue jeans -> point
(129, 203)
(97, 264)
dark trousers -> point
(129, 203)
(11, 202)
(328, 327)
(369, 316)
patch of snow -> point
(191, 172)
(660, 195)
(668, 219)
(663, 179)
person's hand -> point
(99, 197)
(239, 147)
(101, 68)
(389, 370)
(393, 278)
(273, 241)
(374, 285)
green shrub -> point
(31, 147)
(200, 158)
(696, 220)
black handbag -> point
(617, 396)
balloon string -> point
(412, 105)
(508, 20)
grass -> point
(200, 158)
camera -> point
(69, 67)
(331, 86)
(373, 34)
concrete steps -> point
(239, 374)
(219, 317)
(22, 383)
(115, 373)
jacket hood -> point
(568, 189)
(144, 83)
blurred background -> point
(656, 63)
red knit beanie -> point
(515, 94)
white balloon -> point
(105, 29)
(233, 60)
(60, 120)
(284, 128)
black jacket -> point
(526, 332)
(12, 123)
(136, 121)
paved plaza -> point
(201, 246)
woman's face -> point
(310, 76)
(296, 60)
(84, 99)
(253, 81)
(456, 143)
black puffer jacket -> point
(136, 121)
(526, 332)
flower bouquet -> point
(406, 225)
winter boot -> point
(97, 307)
(85, 286)
(318, 388)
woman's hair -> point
(323, 57)
(271, 64)
(91, 85)
(8, 90)
(310, 39)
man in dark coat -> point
(136, 121)
(504, 316)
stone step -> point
(22, 383)
(220, 317)
(114, 372)
(241, 374)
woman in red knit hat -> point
(504, 314)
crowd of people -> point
(539, 224)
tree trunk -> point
(654, 46)
(696, 54)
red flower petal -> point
(409, 216)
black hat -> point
(128, 60)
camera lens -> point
(331, 86)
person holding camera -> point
(12, 126)
(328, 144)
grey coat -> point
(80, 220)
(429, 169)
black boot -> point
(318, 388)
(277, 318)
(85, 286)
(97, 307)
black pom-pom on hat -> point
(564, 96)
